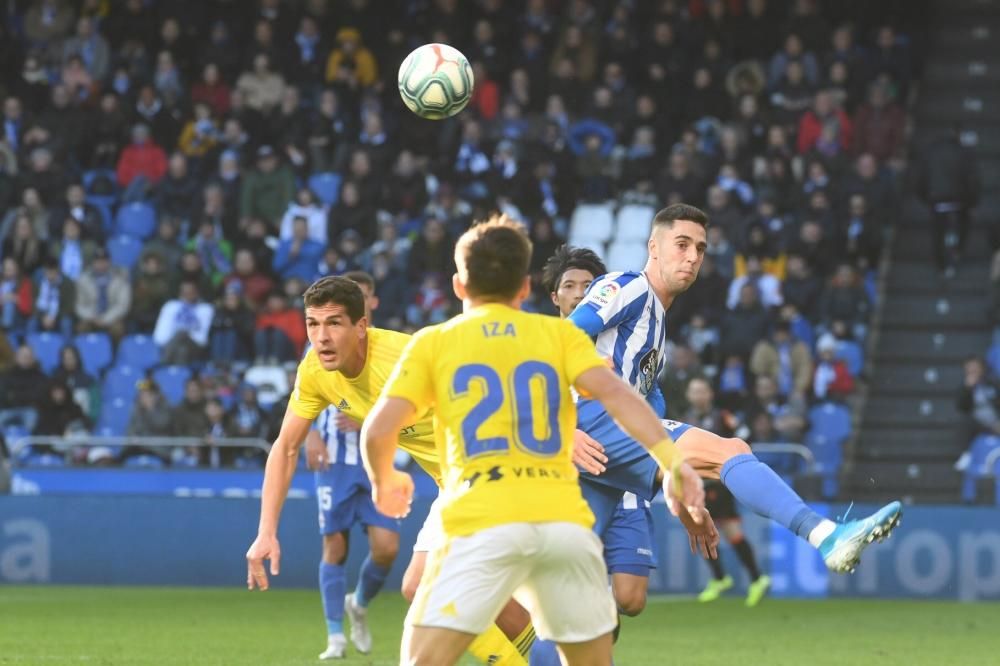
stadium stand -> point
(785, 147)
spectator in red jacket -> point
(825, 127)
(879, 124)
(212, 90)
(486, 94)
(281, 333)
(15, 297)
(142, 164)
(831, 378)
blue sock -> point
(369, 582)
(332, 583)
(755, 484)
(544, 653)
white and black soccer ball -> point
(435, 81)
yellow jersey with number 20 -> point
(499, 380)
(316, 388)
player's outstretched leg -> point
(842, 548)
(757, 486)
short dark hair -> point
(494, 256)
(336, 290)
(361, 277)
(568, 258)
(680, 211)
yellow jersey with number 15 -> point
(316, 388)
(499, 380)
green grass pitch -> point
(104, 625)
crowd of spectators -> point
(246, 148)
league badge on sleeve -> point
(605, 294)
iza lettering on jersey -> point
(495, 329)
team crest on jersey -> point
(647, 371)
(606, 293)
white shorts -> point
(555, 570)
(431, 535)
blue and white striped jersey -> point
(628, 323)
(341, 447)
(345, 473)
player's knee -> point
(735, 447)
(631, 601)
(385, 554)
(334, 549)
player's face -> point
(572, 286)
(334, 338)
(677, 253)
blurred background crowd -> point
(174, 174)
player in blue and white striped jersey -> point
(344, 496)
(626, 314)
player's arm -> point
(637, 418)
(278, 473)
(607, 304)
(405, 396)
(392, 490)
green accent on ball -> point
(435, 96)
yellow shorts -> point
(555, 570)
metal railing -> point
(799, 450)
(63, 445)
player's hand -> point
(346, 424)
(317, 458)
(683, 485)
(703, 537)
(588, 454)
(263, 548)
(393, 495)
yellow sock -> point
(494, 648)
(524, 640)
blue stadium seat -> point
(144, 461)
(993, 358)
(105, 204)
(136, 219)
(852, 355)
(13, 432)
(326, 187)
(95, 352)
(89, 177)
(124, 251)
(979, 451)
(138, 351)
(831, 420)
(43, 460)
(114, 416)
(120, 382)
(46, 347)
(171, 380)
(830, 426)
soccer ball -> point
(435, 81)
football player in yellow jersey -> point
(499, 380)
(347, 367)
